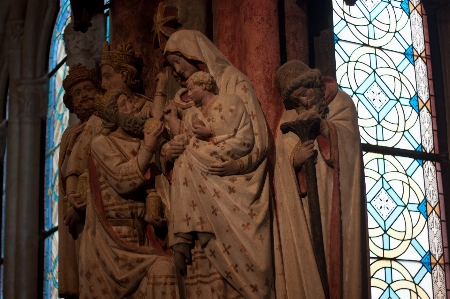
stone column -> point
(295, 31)
(248, 34)
(30, 95)
(14, 33)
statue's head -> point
(119, 111)
(199, 84)
(81, 86)
(301, 87)
(120, 68)
(182, 66)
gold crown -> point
(124, 54)
(77, 74)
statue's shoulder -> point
(232, 74)
(342, 99)
(229, 99)
(100, 142)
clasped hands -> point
(75, 211)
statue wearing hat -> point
(81, 86)
(121, 69)
(328, 209)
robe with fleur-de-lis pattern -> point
(113, 261)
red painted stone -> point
(248, 34)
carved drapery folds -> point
(85, 48)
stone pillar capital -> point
(85, 48)
(32, 95)
(14, 31)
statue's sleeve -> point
(260, 131)
(233, 132)
(122, 174)
(78, 161)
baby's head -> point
(203, 78)
(199, 85)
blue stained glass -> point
(107, 22)
(415, 103)
(409, 54)
(423, 208)
(57, 51)
(51, 267)
(403, 227)
(108, 30)
(57, 121)
(405, 6)
(375, 42)
(426, 261)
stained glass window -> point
(57, 121)
(383, 63)
(107, 20)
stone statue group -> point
(177, 200)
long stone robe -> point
(73, 160)
(117, 260)
(341, 190)
(238, 260)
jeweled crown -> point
(78, 73)
(124, 53)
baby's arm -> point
(200, 130)
(171, 117)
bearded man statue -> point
(81, 86)
(119, 255)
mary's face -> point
(181, 66)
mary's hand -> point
(227, 167)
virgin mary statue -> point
(228, 249)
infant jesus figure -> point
(217, 128)
(217, 131)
